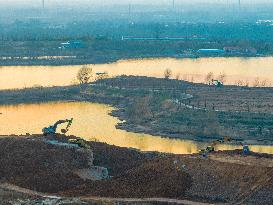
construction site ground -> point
(35, 172)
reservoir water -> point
(91, 121)
(242, 71)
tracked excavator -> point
(211, 147)
(53, 128)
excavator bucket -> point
(63, 131)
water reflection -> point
(92, 121)
(237, 71)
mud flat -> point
(31, 163)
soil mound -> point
(39, 166)
(31, 163)
(154, 178)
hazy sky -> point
(99, 2)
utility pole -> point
(43, 4)
(130, 9)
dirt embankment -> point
(223, 177)
(39, 166)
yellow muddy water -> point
(92, 121)
(251, 71)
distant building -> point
(166, 38)
(233, 50)
(239, 50)
(251, 51)
(72, 44)
(211, 51)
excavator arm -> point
(52, 128)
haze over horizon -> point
(143, 2)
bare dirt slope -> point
(222, 178)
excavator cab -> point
(210, 149)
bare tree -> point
(247, 83)
(209, 78)
(257, 82)
(85, 74)
(177, 77)
(263, 83)
(239, 83)
(167, 73)
(222, 77)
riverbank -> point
(78, 61)
(98, 51)
(171, 108)
(26, 162)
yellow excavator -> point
(53, 128)
(211, 147)
(80, 142)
